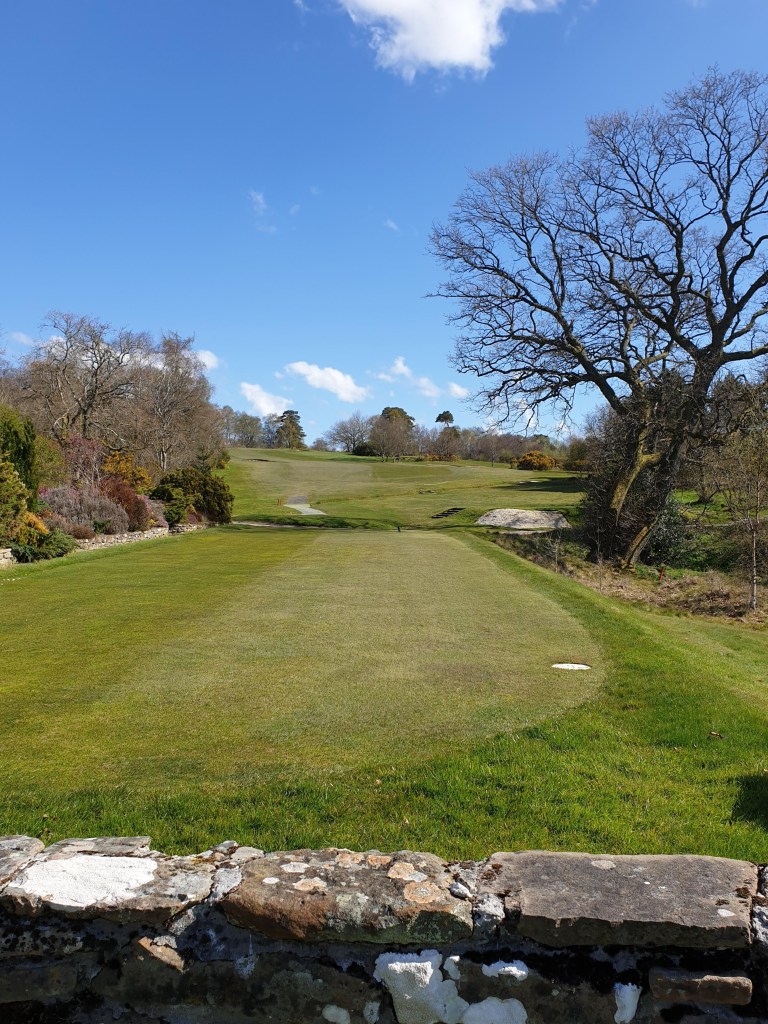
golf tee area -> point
(364, 686)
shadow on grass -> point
(752, 801)
(564, 485)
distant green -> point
(355, 491)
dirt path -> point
(301, 504)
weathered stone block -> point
(15, 853)
(20, 982)
(582, 899)
(673, 986)
(339, 896)
(125, 882)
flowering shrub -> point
(209, 496)
(123, 466)
(156, 513)
(137, 510)
(31, 530)
(535, 460)
(84, 508)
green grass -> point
(371, 688)
(368, 492)
(161, 704)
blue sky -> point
(264, 174)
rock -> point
(338, 896)
(674, 986)
(20, 982)
(165, 954)
(15, 853)
(38, 938)
(120, 846)
(419, 992)
(119, 888)
(581, 899)
(245, 853)
(524, 519)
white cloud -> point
(329, 379)
(209, 359)
(262, 402)
(258, 202)
(427, 387)
(391, 225)
(314, 190)
(411, 35)
(20, 338)
(457, 391)
(261, 209)
(294, 209)
(397, 369)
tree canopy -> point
(636, 267)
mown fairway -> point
(370, 688)
(369, 492)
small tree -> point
(17, 443)
(738, 471)
(290, 433)
(13, 500)
(445, 417)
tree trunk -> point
(753, 571)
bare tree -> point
(636, 268)
(350, 433)
(175, 419)
(76, 376)
(391, 437)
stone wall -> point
(97, 930)
(6, 558)
(109, 540)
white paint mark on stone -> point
(627, 998)
(336, 1014)
(295, 867)
(572, 666)
(516, 969)
(603, 865)
(85, 879)
(725, 913)
(451, 967)
(496, 1011)
(371, 1012)
(270, 881)
(419, 992)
